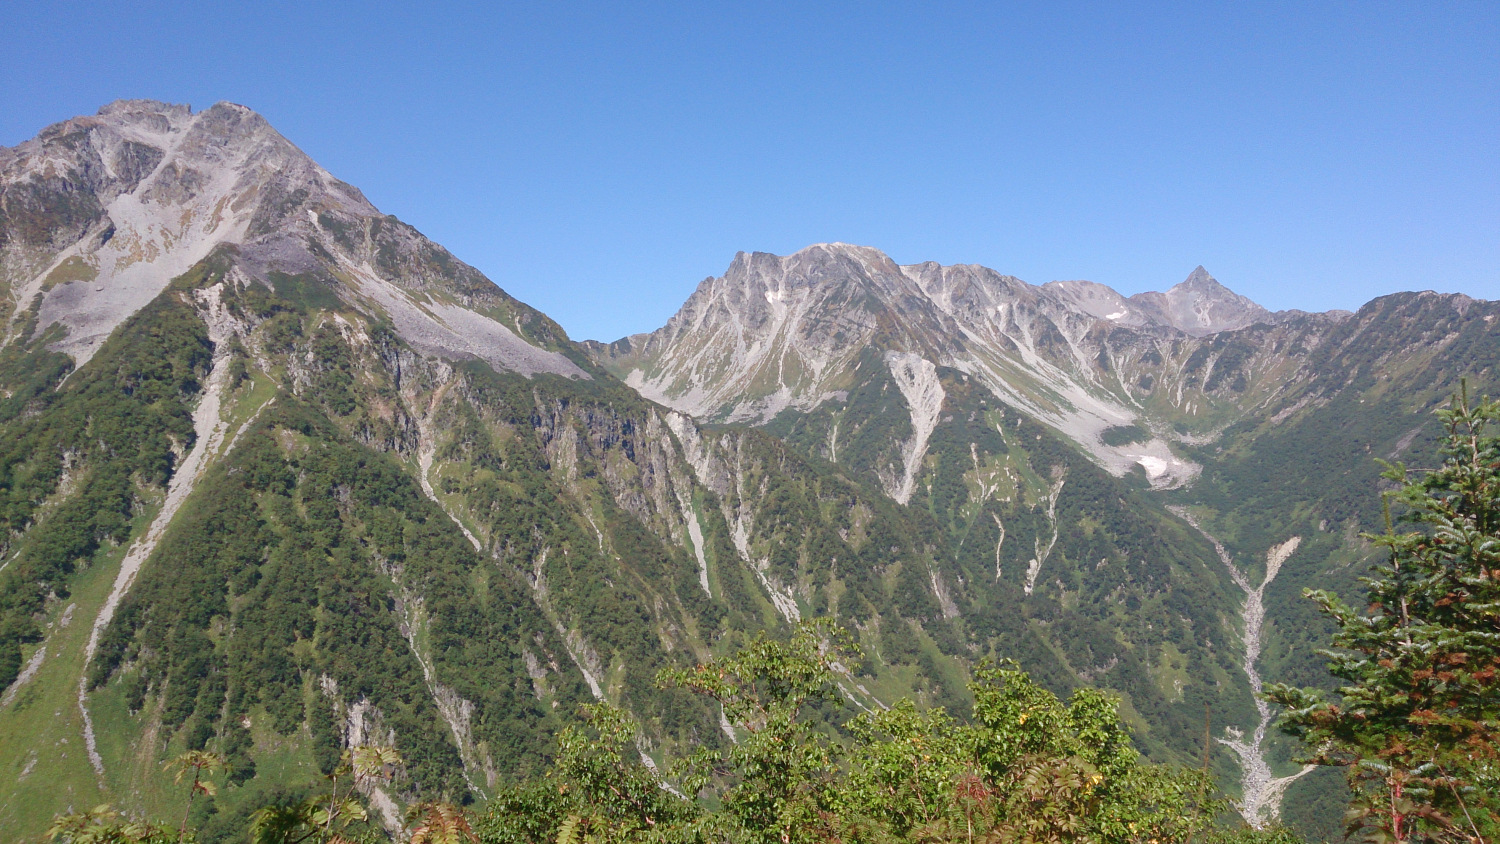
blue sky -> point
(598, 160)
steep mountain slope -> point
(1255, 431)
(777, 334)
(100, 213)
(329, 486)
(281, 476)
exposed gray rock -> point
(1200, 306)
(776, 333)
(101, 213)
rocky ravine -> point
(1261, 791)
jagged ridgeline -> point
(1142, 486)
(279, 476)
(327, 485)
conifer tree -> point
(1417, 718)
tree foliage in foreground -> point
(1028, 768)
(1417, 720)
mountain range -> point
(279, 475)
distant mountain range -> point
(786, 334)
(279, 475)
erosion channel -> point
(1260, 790)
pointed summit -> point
(1199, 277)
(1200, 283)
(109, 208)
(1200, 305)
(146, 191)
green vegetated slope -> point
(387, 546)
(276, 513)
(1309, 466)
(1044, 557)
(306, 595)
(292, 514)
(1289, 422)
(383, 546)
(85, 464)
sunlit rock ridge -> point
(786, 333)
(101, 212)
(280, 476)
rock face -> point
(776, 332)
(100, 213)
(1201, 306)
(278, 475)
(785, 333)
(912, 377)
(1198, 306)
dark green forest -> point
(1415, 727)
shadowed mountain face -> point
(278, 475)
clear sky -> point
(598, 160)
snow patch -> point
(1155, 466)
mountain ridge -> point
(330, 486)
(1200, 291)
(223, 176)
(277, 511)
(864, 368)
(805, 315)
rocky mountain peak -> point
(1097, 300)
(1199, 277)
(821, 252)
(1200, 305)
(146, 106)
(110, 208)
(98, 214)
(809, 267)
(778, 333)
